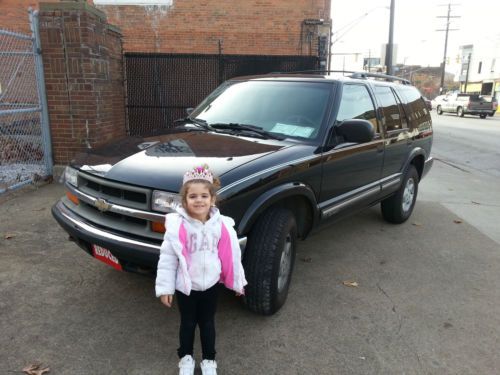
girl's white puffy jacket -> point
(196, 255)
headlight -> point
(71, 175)
(165, 202)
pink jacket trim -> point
(183, 239)
(226, 258)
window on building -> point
(480, 66)
(492, 70)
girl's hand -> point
(167, 299)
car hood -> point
(160, 161)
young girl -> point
(200, 249)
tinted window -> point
(392, 116)
(416, 108)
(356, 103)
(295, 109)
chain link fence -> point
(25, 150)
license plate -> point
(104, 255)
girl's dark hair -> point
(212, 188)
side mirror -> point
(189, 111)
(356, 131)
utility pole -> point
(467, 75)
(447, 30)
(390, 45)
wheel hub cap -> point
(408, 194)
(285, 263)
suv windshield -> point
(292, 109)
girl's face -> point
(198, 201)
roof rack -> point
(352, 74)
(320, 71)
(364, 75)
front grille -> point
(116, 216)
(114, 192)
(119, 194)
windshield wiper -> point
(195, 121)
(246, 127)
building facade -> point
(480, 69)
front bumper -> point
(130, 252)
(134, 254)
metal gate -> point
(25, 149)
(160, 87)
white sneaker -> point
(208, 367)
(186, 365)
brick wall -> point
(82, 57)
(14, 15)
(261, 27)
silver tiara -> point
(198, 173)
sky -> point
(362, 26)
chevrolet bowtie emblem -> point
(102, 205)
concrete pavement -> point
(428, 300)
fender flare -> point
(418, 151)
(270, 197)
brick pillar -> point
(83, 64)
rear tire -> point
(269, 259)
(398, 207)
(483, 116)
(460, 112)
(439, 110)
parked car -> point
(463, 104)
(292, 152)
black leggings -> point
(197, 309)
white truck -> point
(466, 104)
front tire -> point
(439, 110)
(269, 259)
(460, 112)
(398, 207)
(483, 115)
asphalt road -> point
(469, 142)
(428, 300)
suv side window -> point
(390, 108)
(415, 104)
(357, 103)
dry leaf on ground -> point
(8, 236)
(456, 221)
(417, 224)
(474, 202)
(352, 284)
(35, 369)
(306, 259)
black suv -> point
(292, 151)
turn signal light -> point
(72, 198)
(158, 227)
